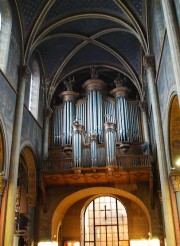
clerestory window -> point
(5, 33)
(34, 89)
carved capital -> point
(143, 106)
(175, 179)
(2, 184)
(31, 198)
(149, 62)
(25, 73)
(48, 112)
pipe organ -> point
(101, 123)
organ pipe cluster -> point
(102, 123)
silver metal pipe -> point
(64, 125)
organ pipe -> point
(58, 125)
(94, 88)
(110, 143)
(122, 114)
(69, 98)
(94, 135)
(93, 139)
(77, 144)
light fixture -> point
(178, 162)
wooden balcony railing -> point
(122, 162)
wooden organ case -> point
(97, 139)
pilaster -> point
(24, 76)
(167, 207)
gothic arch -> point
(65, 204)
(5, 33)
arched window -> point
(105, 223)
(34, 89)
(5, 33)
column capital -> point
(24, 73)
(143, 106)
(175, 179)
(48, 112)
(2, 184)
(31, 198)
(149, 62)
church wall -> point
(71, 222)
(14, 54)
(177, 7)
(166, 87)
(157, 30)
(31, 132)
(7, 109)
(165, 80)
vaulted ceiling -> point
(73, 35)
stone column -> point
(47, 115)
(167, 208)
(173, 37)
(143, 107)
(31, 217)
(14, 160)
(175, 179)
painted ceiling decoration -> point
(72, 35)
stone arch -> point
(5, 33)
(174, 132)
(3, 148)
(29, 157)
(65, 204)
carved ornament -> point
(143, 106)
(25, 73)
(31, 197)
(149, 62)
(175, 179)
(2, 184)
(94, 84)
(120, 92)
(68, 95)
(48, 112)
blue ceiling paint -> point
(63, 8)
(137, 5)
(92, 54)
(127, 45)
(30, 9)
(85, 27)
(55, 51)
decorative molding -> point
(25, 73)
(149, 62)
(32, 201)
(143, 106)
(48, 112)
(2, 184)
(175, 179)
